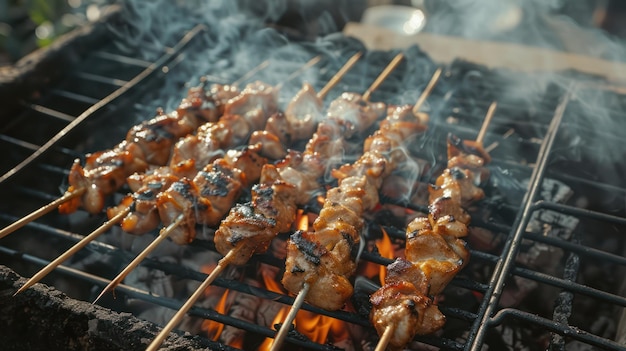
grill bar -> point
(556, 327)
(507, 261)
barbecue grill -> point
(547, 243)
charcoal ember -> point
(516, 291)
(243, 307)
(535, 255)
(483, 239)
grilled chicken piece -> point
(181, 198)
(220, 184)
(304, 112)
(439, 256)
(143, 216)
(459, 181)
(467, 154)
(250, 227)
(310, 262)
(208, 197)
(400, 304)
(208, 144)
(278, 126)
(199, 104)
(220, 94)
(354, 113)
(301, 170)
(271, 145)
(157, 136)
(256, 103)
(103, 173)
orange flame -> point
(303, 221)
(385, 248)
(272, 285)
(319, 328)
(320, 200)
(212, 328)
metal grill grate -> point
(541, 127)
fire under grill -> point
(547, 242)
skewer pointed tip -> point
(41, 211)
(165, 232)
(71, 251)
(27, 285)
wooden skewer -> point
(41, 211)
(312, 62)
(385, 338)
(429, 88)
(224, 262)
(339, 75)
(163, 234)
(284, 329)
(67, 254)
(486, 122)
(163, 334)
(252, 72)
(381, 78)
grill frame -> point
(488, 315)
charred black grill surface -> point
(547, 242)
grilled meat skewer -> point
(147, 143)
(203, 148)
(435, 251)
(322, 259)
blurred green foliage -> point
(26, 25)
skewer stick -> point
(163, 334)
(74, 249)
(339, 75)
(163, 234)
(312, 62)
(225, 261)
(284, 328)
(381, 78)
(385, 338)
(41, 211)
(486, 122)
(251, 73)
(429, 88)
(388, 333)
